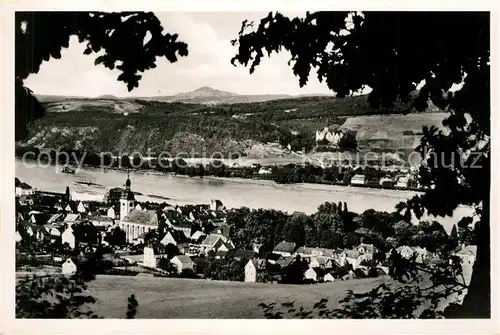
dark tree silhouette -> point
(42, 35)
(384, 50)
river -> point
(232, 192)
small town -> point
(54, 234)
(247, 165)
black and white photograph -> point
(277, 164)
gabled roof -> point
(184, 259)
(352, 253)
(148, 217)
(211, 240)
(285, 247)
(100, 218)
(241, 253)
(258, 263)
(55, 218)
(285, 261)
(369, 248)
(304, 250)
(197, 235)
(469, 250)
(72, 217)
(274, 257)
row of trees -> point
(334, 226)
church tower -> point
(127, 200)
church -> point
(135, 222)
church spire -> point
(128, 183)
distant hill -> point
(203, 95)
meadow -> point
(193, 298)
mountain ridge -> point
(202, 95)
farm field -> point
(189, 298)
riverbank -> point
(234, 193)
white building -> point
(68, 267)
(137, 223)
(127, 200)
(332, 137)
(328, 277)
(251, 269)
(81, 208)
(111, 213)
(403, 182)
(182, 262)
(216, 205)
(311, 274)
(149, 259)
(68, 236)
(358, 179)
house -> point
(211, 242)
(358, 179)
(304, 251)
(405, 251)
(138, 222)
(111, 213)
(285, 248)
(198, 235)
(274, 258)
(18, 237)
(24, 189)
(68, 267)
(101, 220)
(466, 253)
(252, 267)
(331, 137)
(283, 262)
(318, 262)
(68, 236)
(240, 254)
(223, 230)
(422, 254)
(68, 209)
(264, 170)
(403, 182)
(386, 182)
(168, 239)
(311, 274)
(182, 262)
(71, 219)
(183, 227)
(352, 257)
(328, 278)
(81, 208)
(149, 258)
(138, 207)
(364, 248)
(216, 205)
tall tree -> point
(384, 50)
(122, 36)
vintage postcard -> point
(185, 162)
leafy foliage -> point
(384, 51)
(41, 36)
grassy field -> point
(188, 298)
(392, 131)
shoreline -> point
(328, 188)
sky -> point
(208, 36)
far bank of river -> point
(232, 192)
